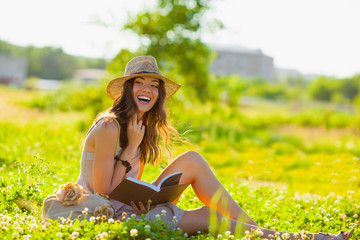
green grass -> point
(291, 169)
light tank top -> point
(85, 178)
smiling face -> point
(145, 93)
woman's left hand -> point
(141, 209)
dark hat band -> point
(144, 72)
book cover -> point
(131, 189)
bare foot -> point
(345, 234)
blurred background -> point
(270, 89)
(297, 42)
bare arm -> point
(106, 175)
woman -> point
(139, 118)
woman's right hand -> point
(135, 132)
(141, 209)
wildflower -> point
(103, 217)
(74, 234)
(296, 235)
(105, 234)
(33, 227)
(105, 209)
(133, 215)
(218, 236)
(355, 216)
(198, 232)
(62, 220)
(26, 237)
(227, 234)
(69, 221)
(111, 220)
(85, 212)
(133, 232)
(19, 229)
(258, 232)
(102, 235)
(175, 219)
(163, 212)
(6, 218)
(59, 235)
(15, 235)
(147, 228)
(185, 235)
(285, 236)
(157, 217)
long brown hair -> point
(155, 121)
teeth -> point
(144, 98)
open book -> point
(131, 189)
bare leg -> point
(199, 220)
(206, 186)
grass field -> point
(292, 166)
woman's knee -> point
(193, 159)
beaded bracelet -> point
(124, 163)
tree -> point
(172, 34)
(349, 87)
(322, 88)
(49, 62)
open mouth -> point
(144, 99)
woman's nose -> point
(146, 88)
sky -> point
(311, 36)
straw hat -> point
(139, 67)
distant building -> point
(89, 74)
(283, 74)
(237, 59)
(13, 70)
(48, 84)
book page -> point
(170, 180)
(168, 194)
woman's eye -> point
(155, 86)
(138, 82)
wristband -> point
(125, 164)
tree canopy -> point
(171, 33)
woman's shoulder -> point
(107, 125)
